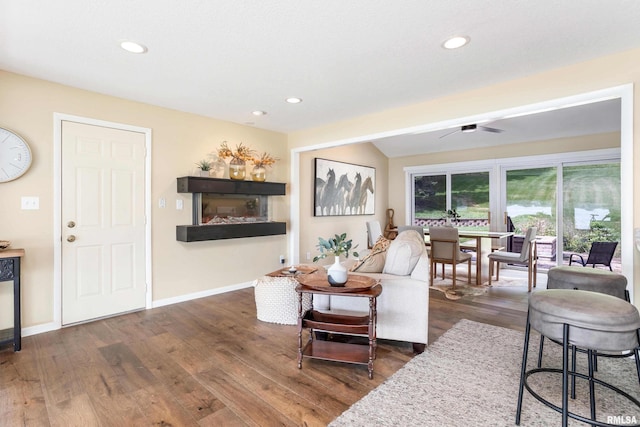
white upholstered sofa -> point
(403, 306)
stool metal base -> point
(524, 375)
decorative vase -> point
(204, 173)
(218, 168)
(259, 173)
(447, 222)
(237, 169)
(337, 273)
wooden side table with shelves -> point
(10, 270)
(364, 325)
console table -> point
(10, 270)
(338, 323)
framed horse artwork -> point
(343, 189)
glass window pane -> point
(531, 199)
(591, 204)
(470, 199)
(430, 196)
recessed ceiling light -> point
(133, 47)
(456, 42)
(259, 113)
(294, 100)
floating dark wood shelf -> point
(197, 233)
(196, 184)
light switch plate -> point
(179, 204)
(30, 203)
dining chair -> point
(528, 256)
(374, 231)
(445, 249)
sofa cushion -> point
(403, 253)
(374, 261)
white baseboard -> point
(202, 294)
(53, 326)
(40, 329)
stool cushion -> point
(587, 279)
(597, 321)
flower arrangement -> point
(242, 152)
(264, 160)
(336, 245)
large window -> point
(467, 193)
(572, 204)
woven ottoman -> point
(277, 300)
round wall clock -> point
(15, 155)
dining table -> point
(485, 241)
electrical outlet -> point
(282, 259)
(179, 205)
(308, 256)
(162, 203)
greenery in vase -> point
(452, 214)
(336, 245)
(204, 165)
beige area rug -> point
(470, 377)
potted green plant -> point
(336, 246)
(204, 167)
(451, 214)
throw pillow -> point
(403, 253)
(374, 261)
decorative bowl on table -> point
(4, 244)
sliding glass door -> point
(587, 211)
(531, 202)
(591, 208)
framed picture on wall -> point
(343, 189)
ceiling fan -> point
(472, 128)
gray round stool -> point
(588, 320)
(585, 279)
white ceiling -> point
(587, 119)
(224, 59)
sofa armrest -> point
(403, 308)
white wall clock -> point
(15, 155)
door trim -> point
(58, 118)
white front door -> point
(103, 221)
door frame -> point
(58, 118)
(624, 92)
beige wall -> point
(598, 74)
(178, 140)
(355, 226)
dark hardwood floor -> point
(206, 362)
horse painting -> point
(337, 194)
(327, 194)
(367, 186)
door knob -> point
(71, 224)
(71, 238)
